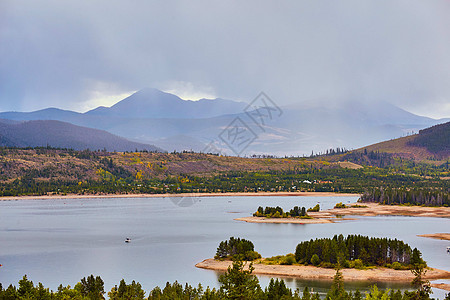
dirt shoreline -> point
(437, 236)
(375, 209)
(76, 196)
(371, 209)
(442, 286)
(310, 272)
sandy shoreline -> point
(374, 209)
(76, 196)
(310, 272)
(442, 286)
(437, 236)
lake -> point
(57, 241)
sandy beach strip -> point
(437, 236)
(442, 286)
(371, 209)
(310, 272)
(375, 209)
(241, 194)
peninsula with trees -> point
(358, 257)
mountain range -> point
(154, 117)
(59, 134)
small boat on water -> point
(127, 240)
(448, 249)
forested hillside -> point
(430, 145)
(436, 139)
(43, 171)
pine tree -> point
(238, 283)
(337, 291)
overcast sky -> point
(81, 54)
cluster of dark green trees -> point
(340, 205)
(237, 249)
(316, 208)
(358, 251)
(413, 196)
(277, 212)
(238, 283)
(372, 158)
(90, 287)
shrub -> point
(346, 264)
(358, 206)
(314, 209)
(358, 264)
(252, 255)
(327, 265)
(340, 205)
(276, 215)
(288, 259)
(315, 260)
(396, 265)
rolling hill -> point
(63, 135)
(429, 144)
(435, 139)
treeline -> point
(328, 152)
(372, 158)
(358, 251)
(88, 288)
(237, 283)
(412, 196)
(119, 181)
(277, 212)
(237, 249)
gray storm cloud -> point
(55, 53)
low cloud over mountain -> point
(154, 117)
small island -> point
(296, 215)
(355, 209)
(359, 257)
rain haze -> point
(78, 55)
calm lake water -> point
(63, 240)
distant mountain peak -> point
(152, 92)
(153, 103)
